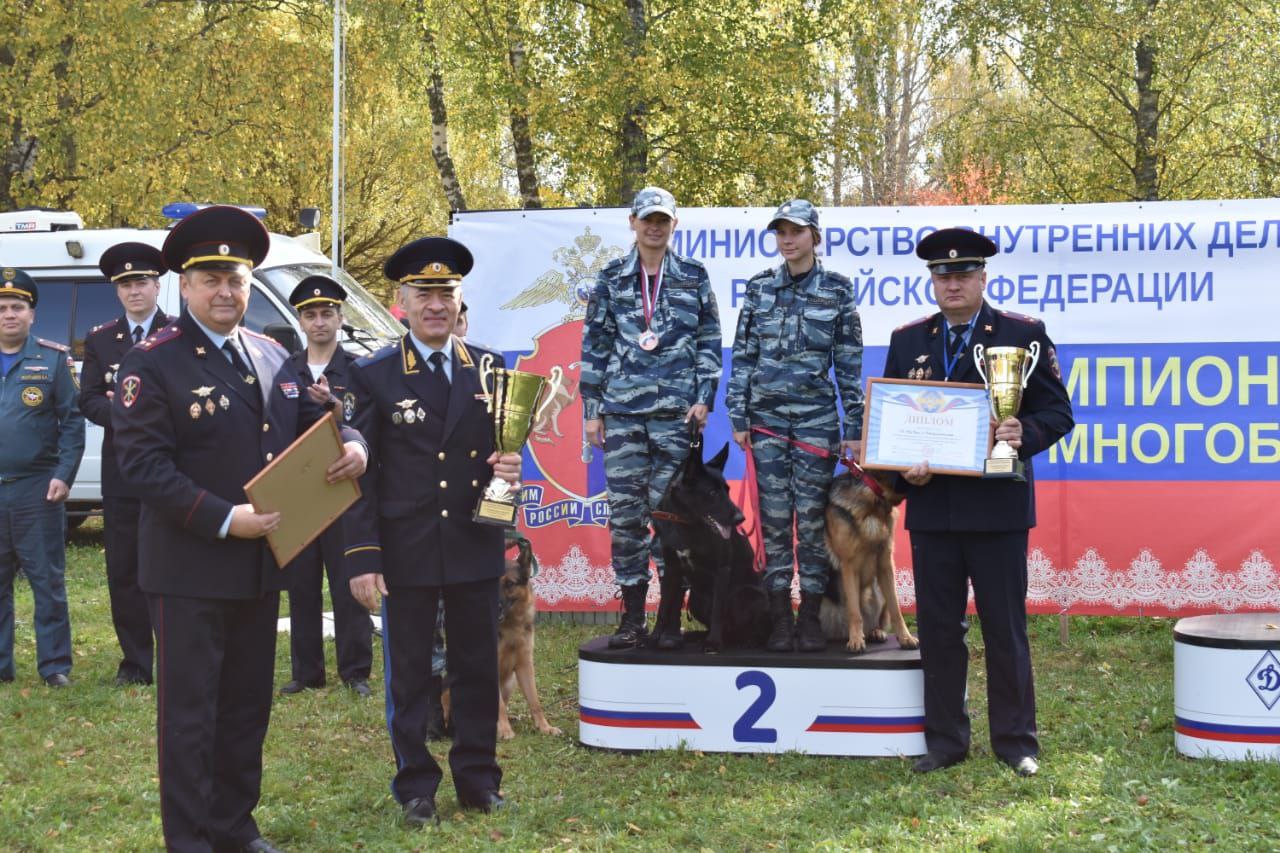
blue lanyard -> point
(948, 362)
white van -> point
(62, 257)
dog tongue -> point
(720, 528)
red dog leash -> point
(822, 452)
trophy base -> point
(1005, 469)
(497, 513)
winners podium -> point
(1226, 686)
(823, 703)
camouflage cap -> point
(653, 200)
(799, 211)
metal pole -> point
(335, 201)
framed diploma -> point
(907, 421)
(294, 486)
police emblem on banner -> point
(573, 282)
(575, 488)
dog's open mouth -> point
(720, 528)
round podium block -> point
(825, 703)
(1226, 686)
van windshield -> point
(362, 311)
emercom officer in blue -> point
(41, 442)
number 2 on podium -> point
(744, 730)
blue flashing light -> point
(183, 209)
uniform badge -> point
(195, 411)
(200, 351)
(988, 329)
(119, 336)
(349, 405)
(410, 416)
(1053, 363)
(250, 379)
(202, 391)
(110, 375)
(921, 359)
(32, 396)
(209, 406)
(396, 418)
(289, 389)
(224, 402)
(422, 415)
(129, 390)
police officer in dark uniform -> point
(41, 442)
(196, 416)
(321, 369)
(420, 406)
(974, 530)
(135, 269)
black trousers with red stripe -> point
(215, 661)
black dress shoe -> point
(489, 801)
(1024, 766)
(124, 679)
(260, 845)
(360, 687)
(420, 811)
(932, 761)
(293, 687)
(58, 679)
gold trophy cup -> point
(513, 397)
(1005, 371)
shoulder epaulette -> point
(915, 322)
(692, 262)
(168, 333)
(614, 264)
(53, 345)
(1022, 317)
(763, 274)
(379, 355)
(106, 325)
(840, 278)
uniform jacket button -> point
(475, 483)
(270, 456)
(444, 513)
(266, 427)
(474, 453)
(440, 455)
(444, 484)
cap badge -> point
(952, 253)
(128, 265)
(9, 274)
(224, 249)
(435, 267)
(317, 291)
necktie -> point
(957, 340)
(439, 383)
(137, 334)
(237, 361)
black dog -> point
(704, 552)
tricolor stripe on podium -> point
(1224, 732)
(867, 725)
(637, 719)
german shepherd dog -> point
(862, 601)
(517, 609)
(704, 551)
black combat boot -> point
(809, 636)
(436, 729)
(780, 637)
(631, 631)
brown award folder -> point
(294, 486)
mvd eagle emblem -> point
(572, 286)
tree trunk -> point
(440, 129)
(521, 139)
(1146, 174)
(633, 143)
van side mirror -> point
(285, 335)
(309, 218)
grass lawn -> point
(78, 765)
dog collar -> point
(663, 515)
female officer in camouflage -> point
(651, 362)
(798, 321)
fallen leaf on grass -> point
(637, 830)
(78, 753)
(496, 835)
(1143, 799)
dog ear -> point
(692, 464)
(720, 458)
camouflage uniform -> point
(643, 395)
(790, 334)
